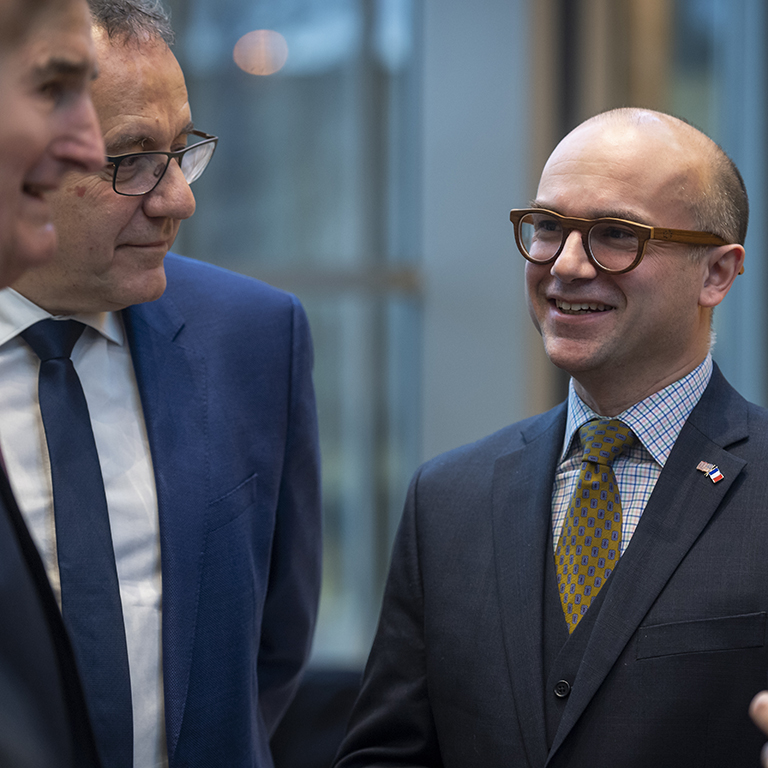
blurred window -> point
(315, 188)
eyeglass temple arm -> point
(688, 236)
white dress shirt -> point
(103, 362)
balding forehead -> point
(651, 123)
(633, 134)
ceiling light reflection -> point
(261, 52)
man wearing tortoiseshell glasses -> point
(589, 588)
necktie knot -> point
(603, 440)
(53, 339)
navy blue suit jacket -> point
(456, 676)
(223, 364)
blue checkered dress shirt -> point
(656, 421)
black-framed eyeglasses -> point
(612, 245)
(138, 173)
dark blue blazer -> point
(457, 674)
(223, 364)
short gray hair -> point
(137, 20)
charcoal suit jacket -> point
(43, 715)
(223, 366)
(462, 673)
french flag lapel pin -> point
(711, 470)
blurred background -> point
(370, 152)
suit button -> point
(562, 689)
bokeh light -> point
(261, 52)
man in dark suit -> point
(587, 588)
(47, 127)
(201, 408)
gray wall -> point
(475, 134)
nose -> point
(77, 142)
(573, 262)
(172, 198)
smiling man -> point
(48, 125)
(158, 422)
(587, 587)
(47, 128)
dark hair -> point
(132, 19)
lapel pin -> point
(711, 470)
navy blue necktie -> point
(90, 595)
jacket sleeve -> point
(392, 723)
(294, 579)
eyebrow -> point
(608, 213)
(127, 142)
(67, 67)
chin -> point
(570, 356)
(146, 290)
(25, 251)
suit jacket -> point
(459, 674)
(223, 365)
(43, 717)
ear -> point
(721, 267)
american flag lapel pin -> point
(711, 470)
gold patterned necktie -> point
(590, 541)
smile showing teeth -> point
(576, 309)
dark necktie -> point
(90, 596)
(590, 541)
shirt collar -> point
(17, 313)
(656, 420)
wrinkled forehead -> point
(140, 90)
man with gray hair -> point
(158, 421)
(588, 587)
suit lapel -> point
(171, 381)
(522, 503)
(681, 505)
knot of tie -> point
(53, 339)
(603, 440)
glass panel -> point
(314, 188)
(719, 83)
(692, 85)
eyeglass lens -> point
(612, 245)
(194, 162)
(138, 174)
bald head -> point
(699, 173)
(625, 335)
